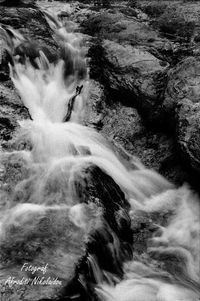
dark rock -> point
(18, 3)
(182, 101)
(135, 75)
(41, 236)
(93, 186)
(11, 111)
(175, 24)
(120, 28)
(4, 59)
(34, 27)
(125, 128)
(4, 76)
(6, 127)
(32, 51)
(95, 106)
(37, 234)
(188, 130)
(63, 14)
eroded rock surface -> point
(136, 66)
(182, 101)
(135, 75)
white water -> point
(60, 151)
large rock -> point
(125, 127)
(133, 73)
(33, 25)
(70, 240)
(95, 106)
(119, 27)
(182, 102)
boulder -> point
(119, 27)
(135, 75)
(127, 130)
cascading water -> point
(52, 199)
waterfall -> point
(56, 161)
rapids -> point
(55, 161)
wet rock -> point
(36, 236)
(188, 130)
(131, 65)
(93, 186)
(182, 102)
(119, 27)
(64, 14)
(95, 106)
(135, 75)
(123, 29)
(70, 243)
(33, 26)
(4, 59)
(125, 128)
(11, 111)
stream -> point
(67, 226)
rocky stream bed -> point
(143, 98)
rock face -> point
(182, 100)
(119, 27)
(93, 186)
(134, 74)
(132, 63)
(135, 66)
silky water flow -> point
(52, 188)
